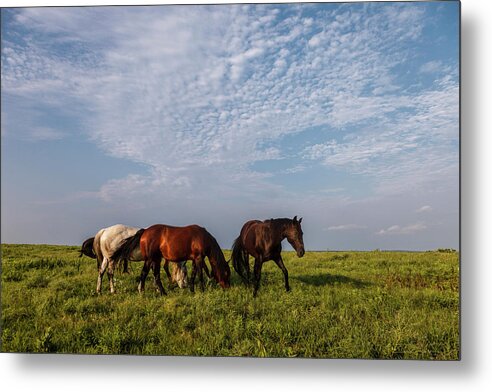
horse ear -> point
(300, 220)
(295, 219)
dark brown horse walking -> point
(262, 240)
(177, 244)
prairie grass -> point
(398, 305)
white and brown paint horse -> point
(104, 244)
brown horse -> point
(262, 240)
(177, 244)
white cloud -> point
(431, 67)
(424, 209)
(122, 188)
(402, 150)
(350, 226)
(192, 92)
(397, 230)
(315, 40)
(296, 169)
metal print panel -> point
(292, 169)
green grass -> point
(342, 305)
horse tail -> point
(238, 259)
(96, 246)
(87, 248)
(127, 247)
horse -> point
(177, 244)
(262, 240)
(107, 240)
(87, 249)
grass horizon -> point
(443, 249)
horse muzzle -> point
(300, 252)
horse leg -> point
(257, 271)
(110, 275)
(125, 266)
(281, 265)
(248, 271)
(201, 261)
(143, 275)
(168, 273)
(156, 267)
(102, 269)
(205, 268)
(193, 275)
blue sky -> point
(345, 114)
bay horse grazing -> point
(262, 240)
(104, 244)
(177, 244)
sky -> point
(344, 114)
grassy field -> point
(342, 305)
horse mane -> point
(217, 259)
(278, 220)
(215, 251)
(278, 225)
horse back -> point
(110, 238)
(248, 225)
(174, 243)
(259, 240)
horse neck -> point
(217, 261)
(215, 253)
(280, 228)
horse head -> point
(224, 275)
(221, 271)
(294, 236)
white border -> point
(472, 373)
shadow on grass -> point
(330, 280)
